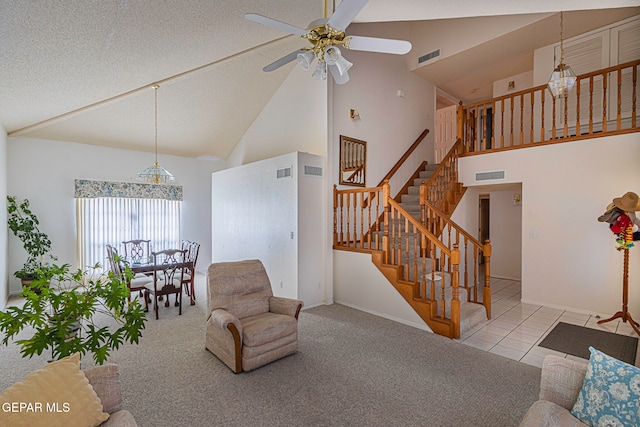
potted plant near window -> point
(74, 313)
(23, 223)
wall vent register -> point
(428, 56)
(312, 170)
(489, 176)
(283, 172)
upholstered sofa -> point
(105, 380)
(61, 394)
(560, 383)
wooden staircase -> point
(432, 262)
(418, 248)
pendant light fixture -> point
(155, 173)
(563, 78)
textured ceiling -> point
(82, 71)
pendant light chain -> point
(562, 78)
(155, 173)
(156, 87)
(561, 38)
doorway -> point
(446, 125)
(484, 212)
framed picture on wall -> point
(353, 161)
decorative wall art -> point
(353, 161)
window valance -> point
(88, 189)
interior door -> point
(445, 131)
(484, 220)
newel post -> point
(455, 283)
(386, 221)
(487, 277)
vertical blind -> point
(110, 213)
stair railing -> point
(475, 262)
(427, 264)
(424, 261)
(443, 183)
(602, 103)
(355, 218)
(406, 159)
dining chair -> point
(192, 249)
(168, 275)
(137, 283)
(137, 250)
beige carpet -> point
(351, 369)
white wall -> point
(256, 215)
(505, 226)
(569, 259)
(4, 275)
(520, 81)
(359, 284)
(427, 36)
(389, 124)
(44, 171)
(294, 119)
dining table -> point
(146, 265)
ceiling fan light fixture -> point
(343, 65)
(155, 173)
(305, 59)
(332, 55)
(321, 71)
(325, 34)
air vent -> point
(312, 170)
(429, 56)
(489, 176)
(283, 172)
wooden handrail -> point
(432, 237)
(404, 157)
(532, 117)
(443, 217)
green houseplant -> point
(74, 313)
(23, 223)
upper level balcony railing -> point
(602, 103)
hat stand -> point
(624, 314)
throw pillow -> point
(57, 395)
(610, 394)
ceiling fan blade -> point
(339, 79)
(345, 13)
(374, 44)
(282, 61)
(269, 22)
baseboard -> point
(517, 279)
(306, 307)
(386, 316)
(563, 308)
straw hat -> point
(630, 202)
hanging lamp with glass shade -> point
(562, 78)
(155, 173)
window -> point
(110, 213)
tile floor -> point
(516, 328)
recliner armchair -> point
(248, 327)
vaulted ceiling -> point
(83, 71)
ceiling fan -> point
(325, 35)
